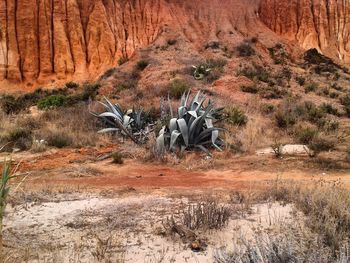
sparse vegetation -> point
(278, 54)
(142, 64)
(4, 193)
(58, 139)
(51, 102)
(257, 73)
(117, 158)
(285, 118)
(321, 144)
(345, 101)
(306, 135)
(301, 80)
(267, 108)
(311, 87)
(209, 70)
(72, 85)
(250, 89)
(235, 116)
(329, 109)
(245, 50)
(206, 215)
(122, 60)
(272, 92)
(177, 88)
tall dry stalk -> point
(4, 192)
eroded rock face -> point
(42, 38)
(321, 24)
(54, 39)
(46, 40)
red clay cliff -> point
(47, 40)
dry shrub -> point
(15, 132)
(117, 158)
(320, 235)
(206, 215)
(256, 134)
(291, 243)
(326, 206)
(196, 217)
(74, 127)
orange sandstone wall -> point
(324, 24)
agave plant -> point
(132, 124)
(201, 71)
(193, 128)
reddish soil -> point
(55, 169)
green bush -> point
(322, 144)
(272, 92)
(142, 64)
(59, 140)
(18, 133)
(117, 158)
(90, 91)
(177, 88)
(250, 89)
(345, 101)
(306, 135)
(314, 113)
(17, 138)
(328, 125)
(235, 116)
(311, 87)
(333, 95)
(9, 104)
(256, 72)
(278, 54)
(300, 80)
(122, 60)
(52, 101)
(267, 108)
(329, 109)
(72, 85)
(285, 120)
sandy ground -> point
(67, 206)
(130, 229)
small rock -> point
(197, 246)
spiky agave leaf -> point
(108, 130)
(175, 135)
(115, 109)
(172, 125)
(160, 142)
(184, 130)
(115, 117)
(194, 127)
